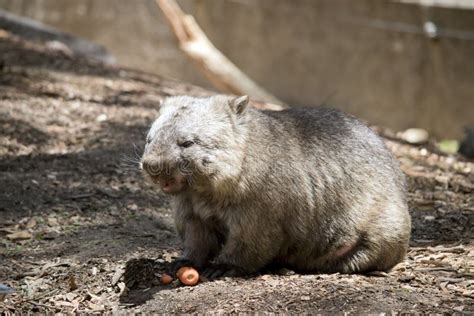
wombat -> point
(311, 189)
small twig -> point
(40, 304)
(455, 249)
(451, 280)
(25, 274)
(80, 196)
(433, 262)
(146, 235)
(448, 269)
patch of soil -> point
(81, 231)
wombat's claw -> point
(179, 263)
(221, 270)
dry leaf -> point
(117, 275)
(72, 283)
(21, 235)
(53, 221)
(31, 223)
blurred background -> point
(398, 64)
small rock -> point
(415, 136)
(94, 271)
(4, 289)
(429, 218)
(423, 152)
(266, 277)
(132, 207)
(102, 117)
(305, 298)
(114, 210)
(70, 296)
(285, 272)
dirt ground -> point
(80, 231)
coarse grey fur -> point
(312, 189)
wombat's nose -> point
(152, 166)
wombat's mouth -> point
(170, 185)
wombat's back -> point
(331, 184)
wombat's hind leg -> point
(368, 256)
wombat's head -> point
(196, 143)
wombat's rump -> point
(312, 189)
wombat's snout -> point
(153, 167)
(164, 173)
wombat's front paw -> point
(179, 263)
(215, 271)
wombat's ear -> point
(239, 104)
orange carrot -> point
(166, 279)
(188, 275)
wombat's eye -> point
(186, 144)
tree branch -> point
(220, 71)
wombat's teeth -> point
(167, 185)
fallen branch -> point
(223, 74)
